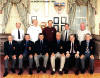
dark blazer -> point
(10, 50)
(76, 46)
(59, 47)
(29, 48)
(91, 47)
(41, 48)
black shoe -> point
(83, 71)
(30, 71)
(60, 72)
(38, 70)
(20, 72)
(53, 72)
(44, 70)
(66, 71)
(5, 74)
(13, 70)
(91, 71)
(77, 72)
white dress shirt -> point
(81, 34)
(34, 31)
(15, 34)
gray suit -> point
(63, 34)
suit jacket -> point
(59, 47)
(76, 46)
(91, 47)
(10, 50)
(63, 35)
(29, 48)
(41, 49)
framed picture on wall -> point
(62, 27)
(33, 18)
(56, 20)
(56, 27)
(63, 20)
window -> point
(80, 16)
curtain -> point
(71, 11)
(22, 7)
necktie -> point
(41, 42)
(66, 36)
(72, 47)
(87, 48)
(58, 41)
(18, 34)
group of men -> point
(71, 49)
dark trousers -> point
(72, 61)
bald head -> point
(82, 26)
(10, 38)
(35, 22)
(58, 36)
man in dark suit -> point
(58, 52)
(27, 51)
(41, 51)
(10, 54)
(72, 54)
(87, 53)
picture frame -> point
(62, 27)
(63, 20)
(33, 18)
(56, 27)
(56, 20)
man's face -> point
(35, 22)
(18, 25)
(72, 38)
(87, 37)
(58, 36)
(82, 27)
(66, 27)
(50, 24)
(10, 38)
(27, 37)
(41, 37)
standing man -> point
(82, 32)
(72, 54)
(10, 54)
(58, 52)
(18, 36)
(50, 34)
(65, 34)
(41, 47)
(34, 31)
(87, 53)
(26, 53)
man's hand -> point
(92, 56)
(82, 56)
(77, 55)
(47, 54)
(30, 56)
(14, 56)
(53, 54)
(67, 55)
(20, 56)
(6, 57)
(35, 54)
(62, 54)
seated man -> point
(87, 52)
(10, 54)
(58, 52)
(27, 49)
(72, 54)
(41, 51)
